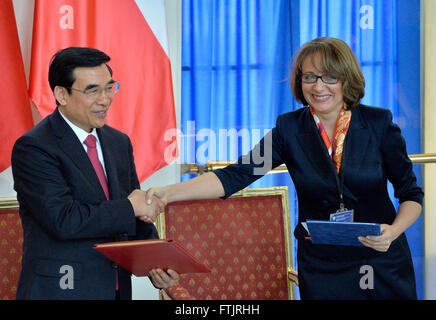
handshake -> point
(147, 205)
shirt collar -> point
(80, 133)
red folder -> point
(139, 257)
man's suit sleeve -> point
(144, 230)
(44, 192)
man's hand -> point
(144, 211)
(162, 279)
(153, 197)
(156, 193)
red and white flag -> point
(134, 34)
(15, 112)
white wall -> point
(142, 289)
(428, 15)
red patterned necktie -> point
(90, 142)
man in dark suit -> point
(77, 185)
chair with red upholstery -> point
(11, 241)
(245, 240)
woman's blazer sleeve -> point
(265, 156)
(399, 168)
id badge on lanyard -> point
(342, 214)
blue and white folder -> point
(340, 233)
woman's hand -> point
(408, 212)
(160, 193)
(382, 242)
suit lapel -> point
(71, 146)
(356, 144)
(314, 147)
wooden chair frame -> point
(8, 203)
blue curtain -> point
(235, 79)
(235, 65)
(236, 58)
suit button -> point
(114, 265)
(124, 234)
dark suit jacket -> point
(374, 153)
(64, 211)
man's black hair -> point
(63, 63)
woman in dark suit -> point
(339, 154)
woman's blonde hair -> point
(336, 59)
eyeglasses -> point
(326, 78)
(95, 92)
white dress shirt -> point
(82, 135)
